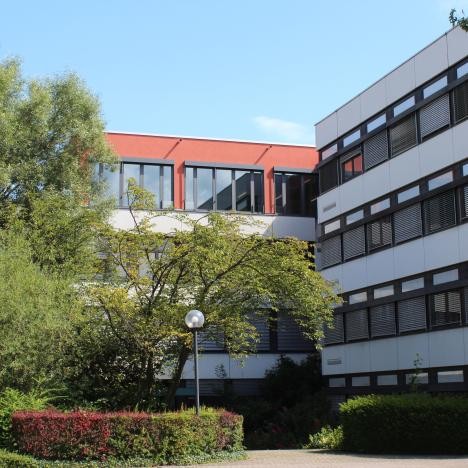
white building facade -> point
(392, 230)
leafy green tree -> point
(153, 279)
(461, 21)
(51, 132)
(36, 313)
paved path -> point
(323, 459)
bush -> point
(166, 438)
(327, 438)
(413, 423)
(15, 460)
(12, 400)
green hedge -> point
(16, 460)
(166, 438)
(413, 423)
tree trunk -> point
(175, 381)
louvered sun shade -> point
(336, 334)
(211, 340)
(328, 176)
(354, 243)
(403, 135)
(412, 314)
(435, 116)
(379, 233)
(439, 212)
(330, 252)
(464, 199)
(465, 295)
(263, 330)
(290, 336)
(460, 102)
(375, 150)
(446, 308)
(382, 320)
(407, 223)
(356, 325)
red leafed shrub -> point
(164, 437)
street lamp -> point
(195, 320)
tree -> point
(36, 313)
(458, 21)
(51, 132)
(210, 264)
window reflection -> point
(130, 172)
(151, 182)
(204, 189)
(111, 179)
(189, 178)
(293, 193)
(167, 187)
(223, 189)
(242, 190)
(258, 192)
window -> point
(439, 212)
(330, 151)
(384, 291)
(462, 70)
(376, 123)
(330, 227)
(330, 252)
(328, 176)
(411, 285)
(152, 182)
(356, 325)
(110, 176)
(354, 243)
(403, 106)
(445, 308)
(379, 233)
(357, 297)
(408, 194)
(375, 150)
(389, 379)
(440, 180)
(445, 277)
(407, 223)
(421, 378)
(334, 382)
(464, 201)
(380, 206)
(347, 140)
(412, 314)
(403, 136)
(382, 320)
(353, 217)
(351, 166)
(465, 170)
(453, 376)
(295, 194)
(223, 189)
(434, 87)
(360, 381)
(335, 334)
(460, 102)
(131, 172)
(434, 116)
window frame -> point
(279, 178)
(351, 159)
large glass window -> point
(167, 187)
(151, 182)
(295, 194)
(110, 176)
(223, 189)
(131, 172)
(351, 167)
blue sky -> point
(242, 69)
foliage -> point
(12, 400)
(36, 313)
(458, 21)
(16, 460)
(412, 423)
(166, 438)
(153, 278)
(330, 438)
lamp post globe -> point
(194, 321)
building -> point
(392, 228)
(273, 182)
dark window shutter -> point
(412, 314)
(246, 387)
(330, 252)
(382, 320)
(328, 176)
(464, 197)
(403, 136)
(435, 116)
(407, 223)
(375, 150)
(262, 326)
(354, 243)
(460, 102)
(335, 334)
(356, 325)
(211, 340)
(465, 293)
(290, 336)
(439, 212)
(379, 233)
(446, 308)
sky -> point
(263, 70)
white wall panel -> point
(444, 351)
(380, 267)
(352, 194)
(441, 249)
(328, 205)
(349, 116)
(400, 81)
(334, 354)
(384, 354)
(326, 131)
(460, 140)
(358, 357)
(373, 100)
(376, 182)
(431, 61)
(404, 168)
(354, 274)
(436, 153)
(457, 42)
(334, 274)
(410, 347)
(409, 258)
(463, 242)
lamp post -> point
(194, 321)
